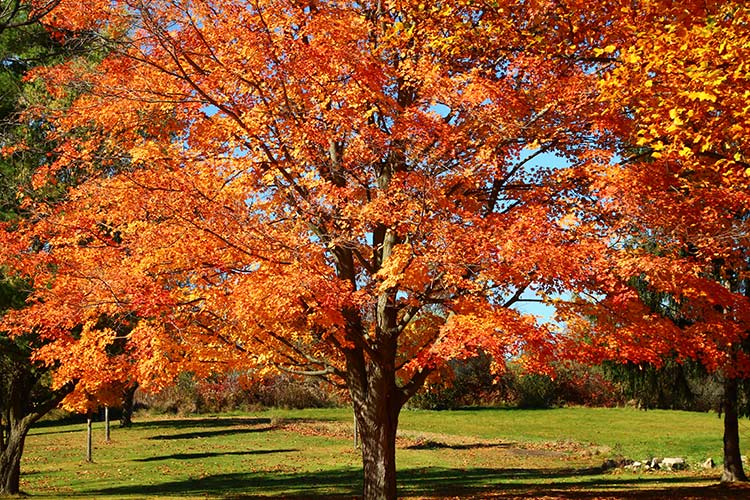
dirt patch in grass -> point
(304, 427)
(414, 440)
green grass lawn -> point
(310, 454)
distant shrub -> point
(671, 386)
(582, 385)
(469, 383)
(179, 398)
(237, 391)
(438, 396)
(473, 384)
(290, 392)
(535, 391)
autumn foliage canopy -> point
(365, 190)
(282, 184)
(677, 200)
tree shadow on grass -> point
(436, 445)
(53, 426)
(192, 423)
(199, 456)
(207, 434)
(171, 423)
(249, 485)
(35, 432)
(432, 482)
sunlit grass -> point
(310, 453)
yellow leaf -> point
(634, 58)
(568, 221)
(702, 96)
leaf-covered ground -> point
(310, 454)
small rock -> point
(609, 464)
(675, 463)
(619, 463)
(709, 463)
(635, 466)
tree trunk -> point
(10, 458)
(126, 418)
(107, 437)
(377, 404)
(378, 436)
(733, 470)
(19, 409)
(89, 432)
(371, 368)
(356, 431)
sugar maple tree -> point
(677, 202)
(27, 389)
(25, 395)
(325, 188)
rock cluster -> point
(665, 464)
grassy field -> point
(483, 453)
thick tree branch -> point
(50, 403)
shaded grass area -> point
(309, 454)
(414, 482)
